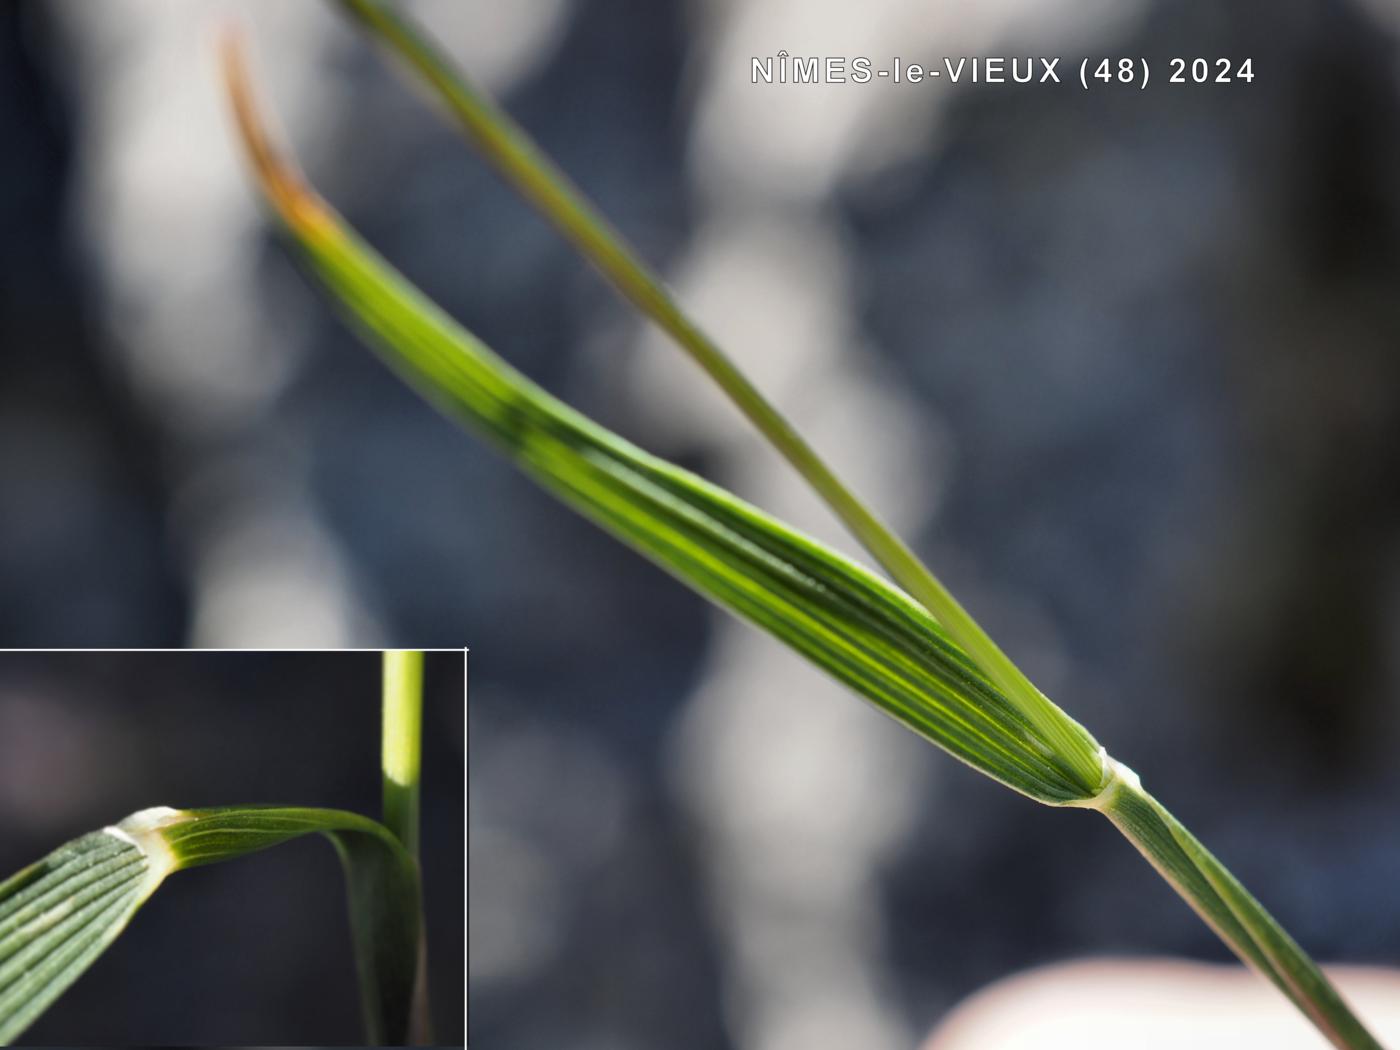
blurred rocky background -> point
(1122, 363)
(255, 951)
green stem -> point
(1227, 907)
(402, 743)
(516, 157)
(401, 763)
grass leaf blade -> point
(839, 615)
(529, 170)
(59, 915)
(381, 881)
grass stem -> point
(401, 763)
(402, 743)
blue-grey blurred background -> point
(256, 951)
(1125, 366)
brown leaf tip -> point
(279, 177)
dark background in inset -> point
(256, 951)
(1153, 340)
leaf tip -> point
(277, 174)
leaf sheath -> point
(1230, 910)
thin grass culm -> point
(913, 653)
(402, 747)
(401, 759)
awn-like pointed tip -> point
(281, 181)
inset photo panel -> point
(232, 848)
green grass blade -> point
(381, 880)
(838, 614)
(526, 167)
(59, 915)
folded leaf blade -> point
(839, 615)
(59, 914)
(382, 886)
(526, 167)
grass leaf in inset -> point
(59, 915)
